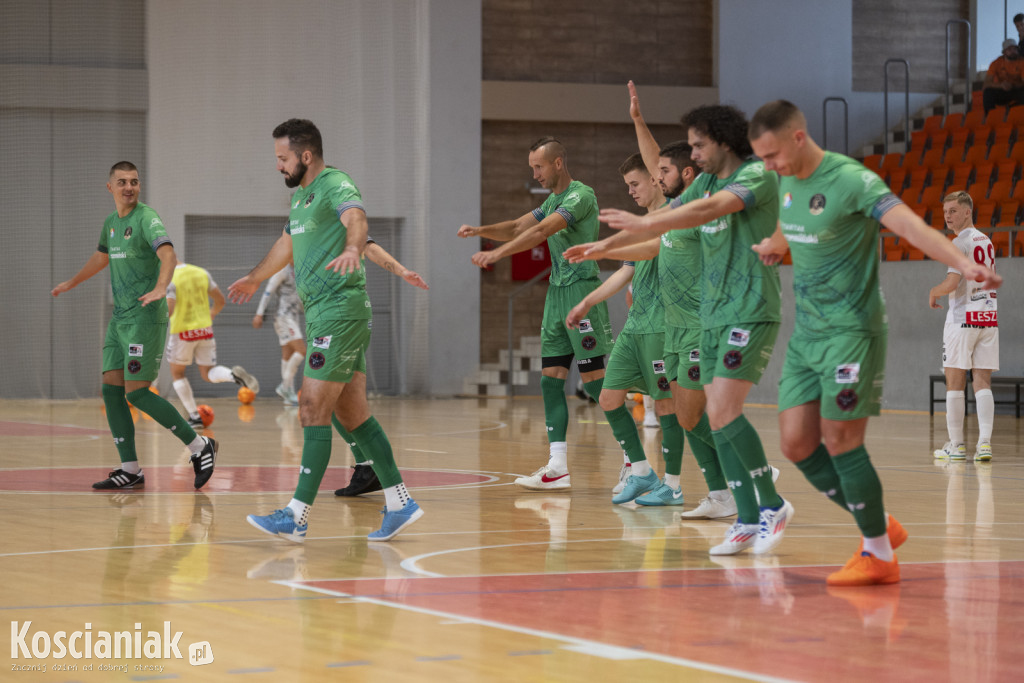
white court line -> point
(571, 643)
(424, 450)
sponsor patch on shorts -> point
(848, 373)
(695, 356)
(659, 367)
(135, 350)
(322, 342)
(585, 326)
(738, 337)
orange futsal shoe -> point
(897, 536)
(864, 569)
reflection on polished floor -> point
(495, 583)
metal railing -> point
(906, 103)
(967, 68)
(846, 122)
(511, 317)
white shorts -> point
(288, 329)
(967, 348)
(180, 352)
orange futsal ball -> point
(205, 414)
(246, 395)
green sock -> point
(702, 443)
(671, 443)
(357, 452)
(739, 481)
(163, 412)
(593, 388)
(556, 410)
(371, 438)
(625, 433)
(746, 444)
(863, 490)
(119, 417)
(821, 472)
(316, 453)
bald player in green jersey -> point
(325, 238)
(733, 203)
(829, 215)
(141, 257)
(567, 217)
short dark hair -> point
(679, 153)
(122, 166)
(1018, 17)
(773, 117)
(634, 162)
(724, 124)
(302, 134)
(555, 149)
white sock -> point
(648, 405)
(672, 480)
(955, 403)
(396, 497)
(220, 373)
(300, 511)
(721, 495)
(558, 459)
(184, 391)
(290, 367)
(131, 467)
(880, 547)
(625, 458)
(986, 413)
(641, 468)
(197, 445)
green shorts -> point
(337, 349)
(135, 348)
(637, 361)
(594, 336)
(740, 351)
(682, 356)
(844, 372)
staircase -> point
(492, 378)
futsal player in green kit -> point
(638, 359)
(325, 238)
(141, 258)
(567, 217)
(734, 203)
(829, 215)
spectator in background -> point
(1004, 81)
(1018, 21)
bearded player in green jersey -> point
(567, 217)
(829, 215)
(141, 258)
(733, 203)
(325, 238)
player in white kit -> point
(970, 338)
(289, 328)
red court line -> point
(8, 428)
(770, 621)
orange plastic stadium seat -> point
(976, 154)
(891, 161)
(911, 194)
(893, 255)
(918, 143)
(961, 177)
(974, 118)
(978, 191)
(919, 176)
(999, 151)
(1007, 169)
(984, 212)
(938, 138)
(983, 173)
(1018, 243)
(958, 137)
(1008, 210)
(953, 121)
(897, 179)
(1003, 132)
(938, 220)
(915, 254)
(1018, 192)
(932, 123)
(1015, 115)
(1001, 242)
(1000, 190)
(1017, 151)
(932, 158)
(940, 176)
(873, 162)
(980, 136)
(931, 196)
(995, 116)
(921, 210)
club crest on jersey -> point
(695, 356)
(322, 342)
(738, 337)
(787, 200)
(732, 360)
(585, 326)
(134, 366)
(309, 200)
(659, 367)
(817, 204)
(847, 400)
(847, 373)
(128, 232)
(663, 383)
(135, 350)
(111, 233)
(316, 360)
(588, 343)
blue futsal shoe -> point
(395, 521)
(280, 523)
(636, 487)
(663, 495)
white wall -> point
(394, 88)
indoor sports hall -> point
(431, 106)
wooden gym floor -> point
(495, 583)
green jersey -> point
(679, 271)
(831, 223)
(318, 237)
(131, 243)
(578, 206)
(735, 286)
(646, 315)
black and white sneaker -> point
(119, 479)
(245, 379)
(202, 462)
(195, 422)
(364, 480)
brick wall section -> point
(653, 42)
(594, 154)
